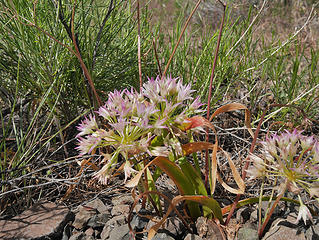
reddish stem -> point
(139, 45)
(78, 55)
(180, 38)
(210, 92)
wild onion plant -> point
(291, 162)
(159, 122)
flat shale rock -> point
(162, 236)
(192, 237)
(121, 209)
(208, 230)
(44, 220)
(283, 229)
(82, 217)
(97, 205)
(248, 232)
(120, 233)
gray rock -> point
(89, 232)
(66, 232)
(98, 205)
(283, 229)
(122, 199)
(116, 221)
(313, 232)
(174, 226)
(162, 236)
(192, 237)
(43, 220)
(208, 229)
(121, 209)
(82, 217)
(89, 238)
(105, 232)
(112, 223)
(77, 236)
(248, 232)
(120, 233)
(201, 226)
(98, 220)
(139, 222)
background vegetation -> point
(268, 54)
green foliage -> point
(106, 35)
(43, 85)
(264, 72)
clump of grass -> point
(251, 67)
(44, 86)
(40, 36)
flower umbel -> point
(290, 156)
(290, 161)
(160, 110)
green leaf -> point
(193, 176)
(175, 173)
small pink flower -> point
(307, 142)
(258, 169)
(184, 93)
(128, 170)
(304, 213)
(195, 105)
(87, 144)
(87, 126)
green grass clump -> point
(43, 87)
(251, 67)
(106, 36)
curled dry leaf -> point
(190, 148)
(233, 107)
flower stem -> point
(262, 228)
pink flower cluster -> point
(292, 161)
(136, 118)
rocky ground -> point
(97, 219)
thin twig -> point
(83, 66)
(210, 90)
(99, 35)
(157, 60)
(139, 45)
(180, 38)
